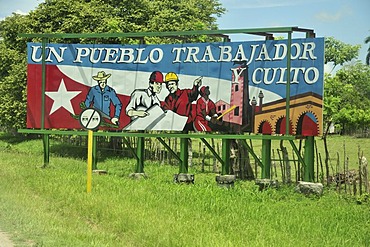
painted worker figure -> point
(101, 97)
(142, 99)
(180, 100)
(206, 111)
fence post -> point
(309, 159)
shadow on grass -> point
(80, 152)
(17, 138)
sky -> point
(345, 20)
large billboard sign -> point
(227, 86)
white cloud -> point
(254, 4)
(334, 17)
(20, 12)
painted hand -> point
(114, 121)
(198, 81)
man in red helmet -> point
(142, 99)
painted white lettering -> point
(266, 76)
(156, 55)
(265, 53)
(237, 72)
(110, 55)
(280, 55)
(126, 52)
(297, 49)
(225, 51)
(315, 77)
(208, 56)
(139, 55)
(93, 53)
(81, 52)
(254, 76)
(192, 55)
(55, 54)
(177, 51)
(240, 55)
(294, 78)
(308, 48)
(254, 47)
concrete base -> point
(137, 175)
(265, 183)
(225, 181)
(308, 188)
(100, 172)
(183, 178)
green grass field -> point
(50, 207)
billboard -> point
(227, 86)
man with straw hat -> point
(101, 96)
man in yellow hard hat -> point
(180, 100)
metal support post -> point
(184, 155)
(94, 158)
(309, 159)
(266, 158)
(140, 155)
(226, 157)
(46, 144)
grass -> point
(50, 207)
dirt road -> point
(4, 240)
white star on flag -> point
(62, 98)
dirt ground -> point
(4, 240)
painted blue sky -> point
(345, 20)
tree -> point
(338, 52)
(367, 60)
(90, 16)
(347, 97)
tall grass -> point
(50, 207)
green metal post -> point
(46, 144)
(184, 155)
(140, 155)
(266, 158)
(94, 158)
(226, 157)
(309, 159)
(43, 81)
(287, 113)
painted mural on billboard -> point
(228, 87)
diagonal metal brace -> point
(251, 151)
(295, 149)
(169, 149)
(213, 151)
